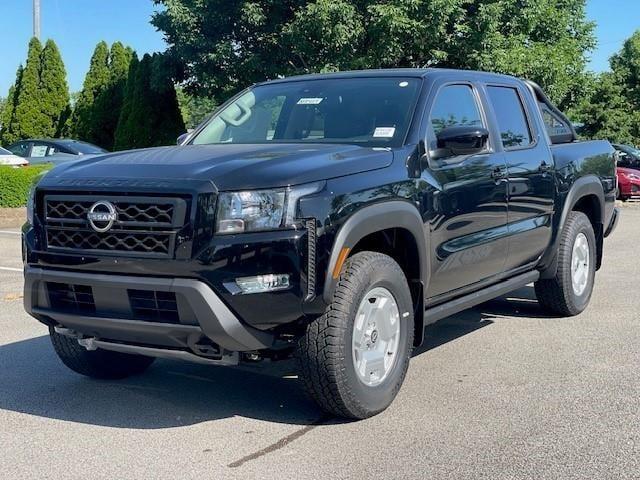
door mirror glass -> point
(461, 140)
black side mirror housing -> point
(182, 138)
(462, 140)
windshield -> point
(634, 152)
(372, 112)
(5, 152)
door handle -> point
(499, 173)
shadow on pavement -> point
(172, 394)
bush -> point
(15, 184)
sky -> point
(77, 25)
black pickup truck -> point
(327, 217)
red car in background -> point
(628, 183)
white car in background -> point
(11, 160)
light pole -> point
(36, 19)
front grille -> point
(147, 213)
(71, 298)
(154, 306)
(144, 226)
(112, 241)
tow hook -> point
(86, 342)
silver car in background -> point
(38, 151)
(9, 159)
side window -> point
(51, 150)
(39, 151)
(512, 121)
(21, 149)
(455, 105)
(556, 128)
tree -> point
(95, 82)
(223, 46)
(108, 102)
(625, 66)
(194, 109)
(54, 96)
(125, 129)
(611, 108)
(7, 120)
(29, 119)
(607, 113)
(150, 114)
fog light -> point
(263, 283)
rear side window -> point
(557, 129)
(512, 120)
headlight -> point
(259, 210)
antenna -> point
(36, 19)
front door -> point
(468, 199)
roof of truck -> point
(397, 72)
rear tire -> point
(353, 359)
(569, 292)
(101, 364)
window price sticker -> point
(384, 132)
(310, 101)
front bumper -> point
(109, 315)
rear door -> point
(530, 168)
(469, 201)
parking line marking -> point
(11, 269)
(9, 232)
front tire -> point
(569, 292)
(102, 364)
(353, 359)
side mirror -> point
(182, 138)
(461, 140)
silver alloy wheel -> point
(580, 264)
(376, 336)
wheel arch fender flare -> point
(582, 187)
(371, 219)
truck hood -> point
(228, 166)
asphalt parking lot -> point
(501, 392)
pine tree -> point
(7, 120)
(141, 111)
(150, 115)
(95, 82)
(108, 103)
(30, 120)
(166, 120)
(54, 97)
(124, 130)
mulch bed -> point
(12, 217)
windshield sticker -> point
(384, 132)
(403, 84)
(310, 101)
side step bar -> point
(452, 307)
